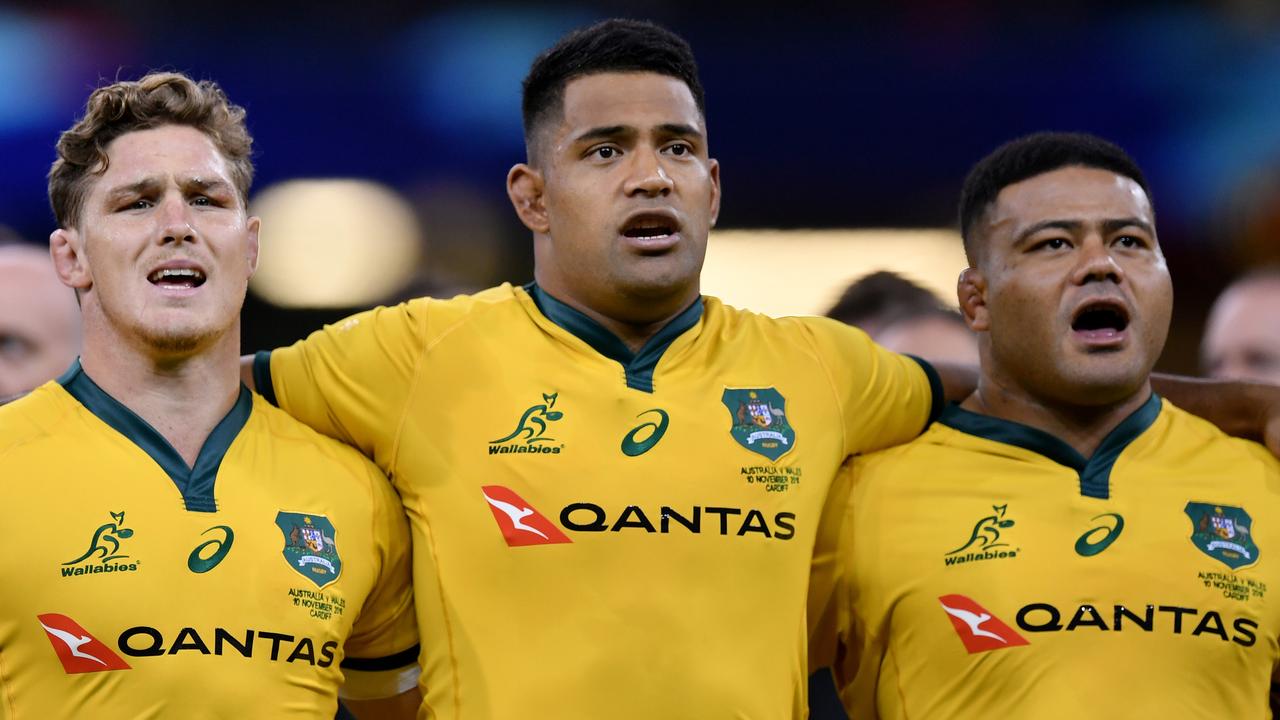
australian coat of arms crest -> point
(1224, 533)
(760, 420)
(309, 546)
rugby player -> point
(614, 483)
(1242, 338)
(1065, 542)
(176, 546)
(39, 322)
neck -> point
(633, 330)
(1082, 427)
(183, 398)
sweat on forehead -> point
(1027, 157)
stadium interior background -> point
(846, 122)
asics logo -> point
(978, 629)
(198, 562)
(520, 524)
(633, 445)
(1097, 539)
(78, 651)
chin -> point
(181, 339)
(1094, 389)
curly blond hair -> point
(160, 98)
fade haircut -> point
(1028, 157)
(124, 107)
(617, 45)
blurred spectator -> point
(1242, 339)
(906, 318)
(39, 319)
(879, 299)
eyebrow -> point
(151, 184)
(602, 133)
(1108, 226)
(614, 131)
(138, 188)
(680, 129)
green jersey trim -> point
(639, 366)
(195, 483)
(262, 376)
(1094, 472)
(938, 399)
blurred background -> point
(384, 132)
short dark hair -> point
(1034, 155)
(617, 45)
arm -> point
(400, 707)
(1249, 410)
(246, 372)
(958, 381)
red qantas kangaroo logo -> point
(79, 651)
(521, 524)
(980, 630)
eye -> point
(606, 152)
(1056, 243)
(1131, 241)
(138, 204)
(202, 201)
(680, 149)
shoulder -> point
(807, 327)
(1184, 438)
(292, 438)
(443, 315)
(937, 440)
(32, 416)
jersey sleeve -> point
(350, 380)
(381, 655)
(885, 398)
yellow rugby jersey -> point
(599, 533)
(136, 587)
(989, 570)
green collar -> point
(639, 366)
(195, 483)
(1094, 472)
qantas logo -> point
(978, 629)
(79, 651)
(521, 525)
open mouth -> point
(648, 226)
(1101, 319)
(184, 278)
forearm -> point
(1238, 407)
(958, 381)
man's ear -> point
(971, 290)
(525, 188)
(66, 248)
(251, 248)
(714, 169)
